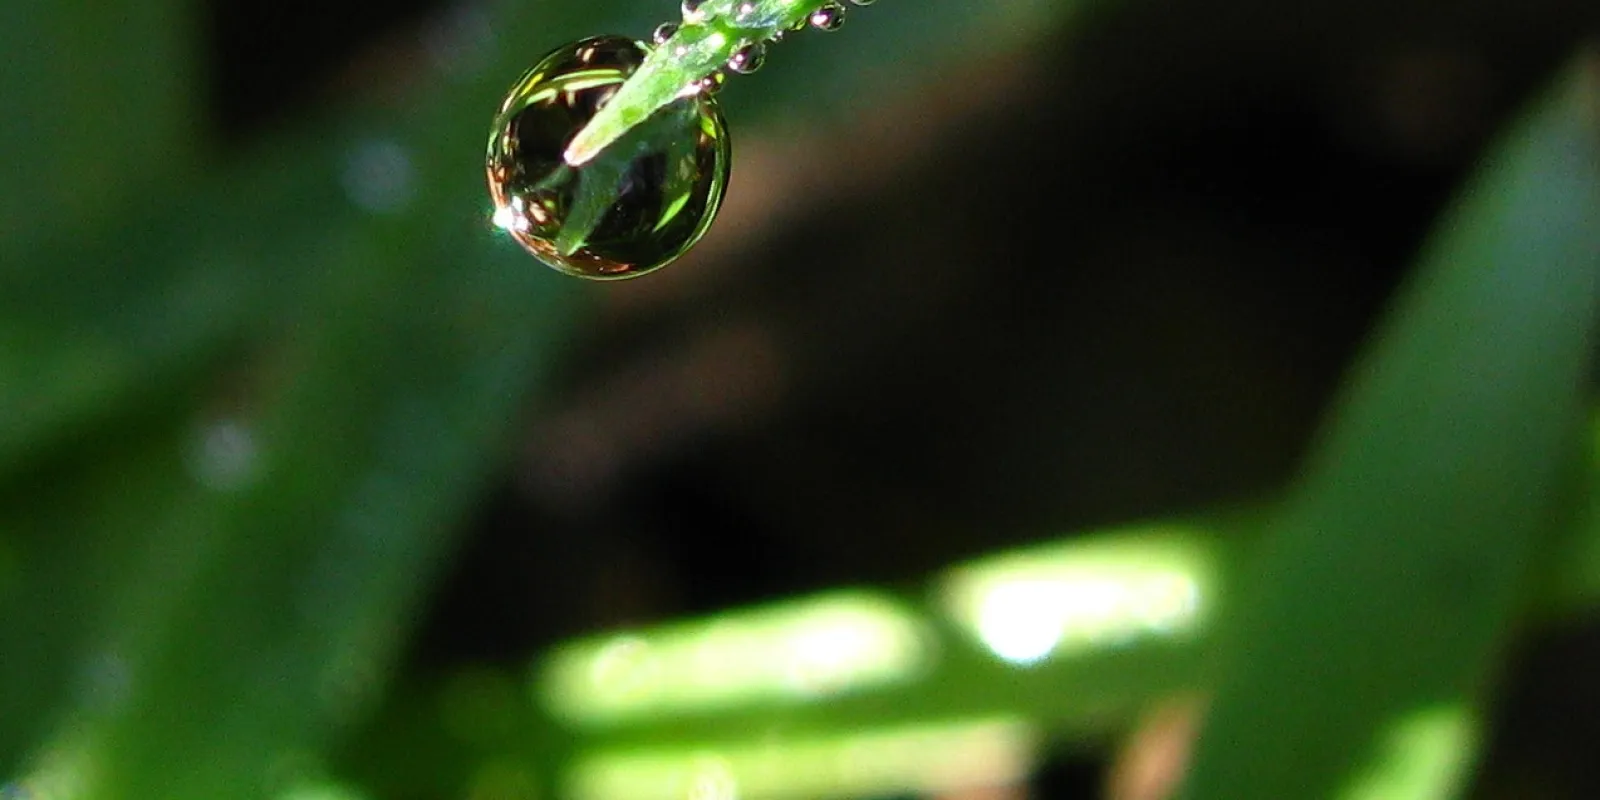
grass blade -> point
(1397, 561)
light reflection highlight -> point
(321, 790)
(826, 645)
(65, 769)
(927, 759)
(1029, 606)
(1425, 755)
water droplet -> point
(638, 205)
(663, 32)
(692, 11)
(748, 59)
(828, 18)
(711, 84)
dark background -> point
(1116, 275)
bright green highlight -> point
(62, 770)
(321, 790)
(704, 43)
(821, 646)
(1083, 595)
(1426, 755)
(924, 759)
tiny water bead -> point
(830, 17)
(713, 83)
(638, 205)
(748, 58)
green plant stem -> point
(674, 69)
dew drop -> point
(711, 84)
(663, 32)
(828, 18)
(748, 58)
(692, 11)
(638, 205)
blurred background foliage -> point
(308, 480)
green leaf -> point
(1396, 564)
(122, 311)
(262, 596)
(101, 107)
(705, 42)
(385, 354)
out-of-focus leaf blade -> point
(101, 106)
(1395, 565)
(392, 345)
(130, 308)
(286, 625)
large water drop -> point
(638, 205)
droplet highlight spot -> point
(713, 83)
(829, 17)
(748, 58)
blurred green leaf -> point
(163, 606)
(284, 627)
(189, 567)
(101, 108)
(120, 312)
(1395, 566)
(148, 602)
